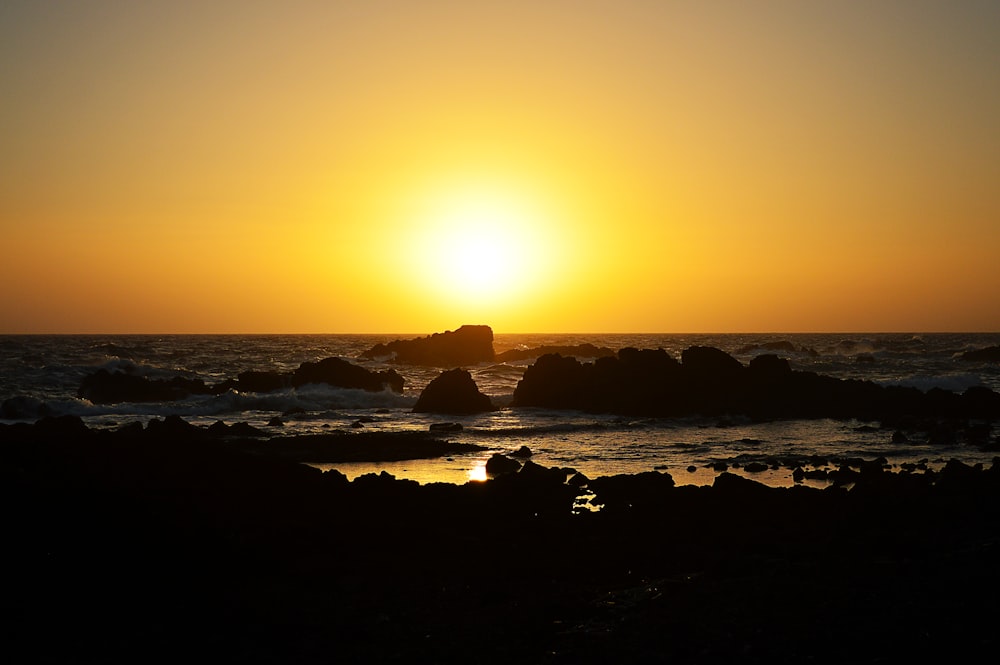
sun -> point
(478, 243)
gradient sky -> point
(552, 166)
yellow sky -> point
(535, 166)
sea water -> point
(40, 375)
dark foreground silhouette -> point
(136, 547)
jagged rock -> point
(468, 345)
(339, 372)
(453, 391)
(710, 382)
(498, 465)
(263, 382)
(104, 387)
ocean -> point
(42, 373)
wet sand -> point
(143, 548)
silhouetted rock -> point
(338, 372)
(445, 427)
(522, 452)
(452, 391)
(103, 387)
(263, 382)
(988, 354)
(711, 382)
(468, 345)
(499, 464)
(254, 554)
(22, 407)
(574, 351)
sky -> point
(397, 166)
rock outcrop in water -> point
(103, 387)
(453, 391)
(709, 382)
(468, 345)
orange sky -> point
(535, 166)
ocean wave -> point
(957, 383)
(307, 398)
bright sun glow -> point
(475, 243)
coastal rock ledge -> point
(468, 345)
(708, 381)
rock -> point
(276, 422)
(453, 391)
(446, 427)
(339, 372)
(103, 387)
(262, 382)
(23, 408)
(522, 452)
(756, 467)
(498, 465)
(468, 345)
(709, 365)
(709, 382)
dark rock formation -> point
(573, 351)
(263, 382)
(499, 464)
(453, 391)
(710, 382)
(338, 372)
(104, 387)
(989, 354)
(254, 558)
(23, 407)
(466, 346)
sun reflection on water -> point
(478, 471)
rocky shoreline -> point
(172, 545)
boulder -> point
(339, 372)
(498, 464)
(453, 391)
(262, 382)
(104, 387)
(468, 345)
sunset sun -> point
(478, 243)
